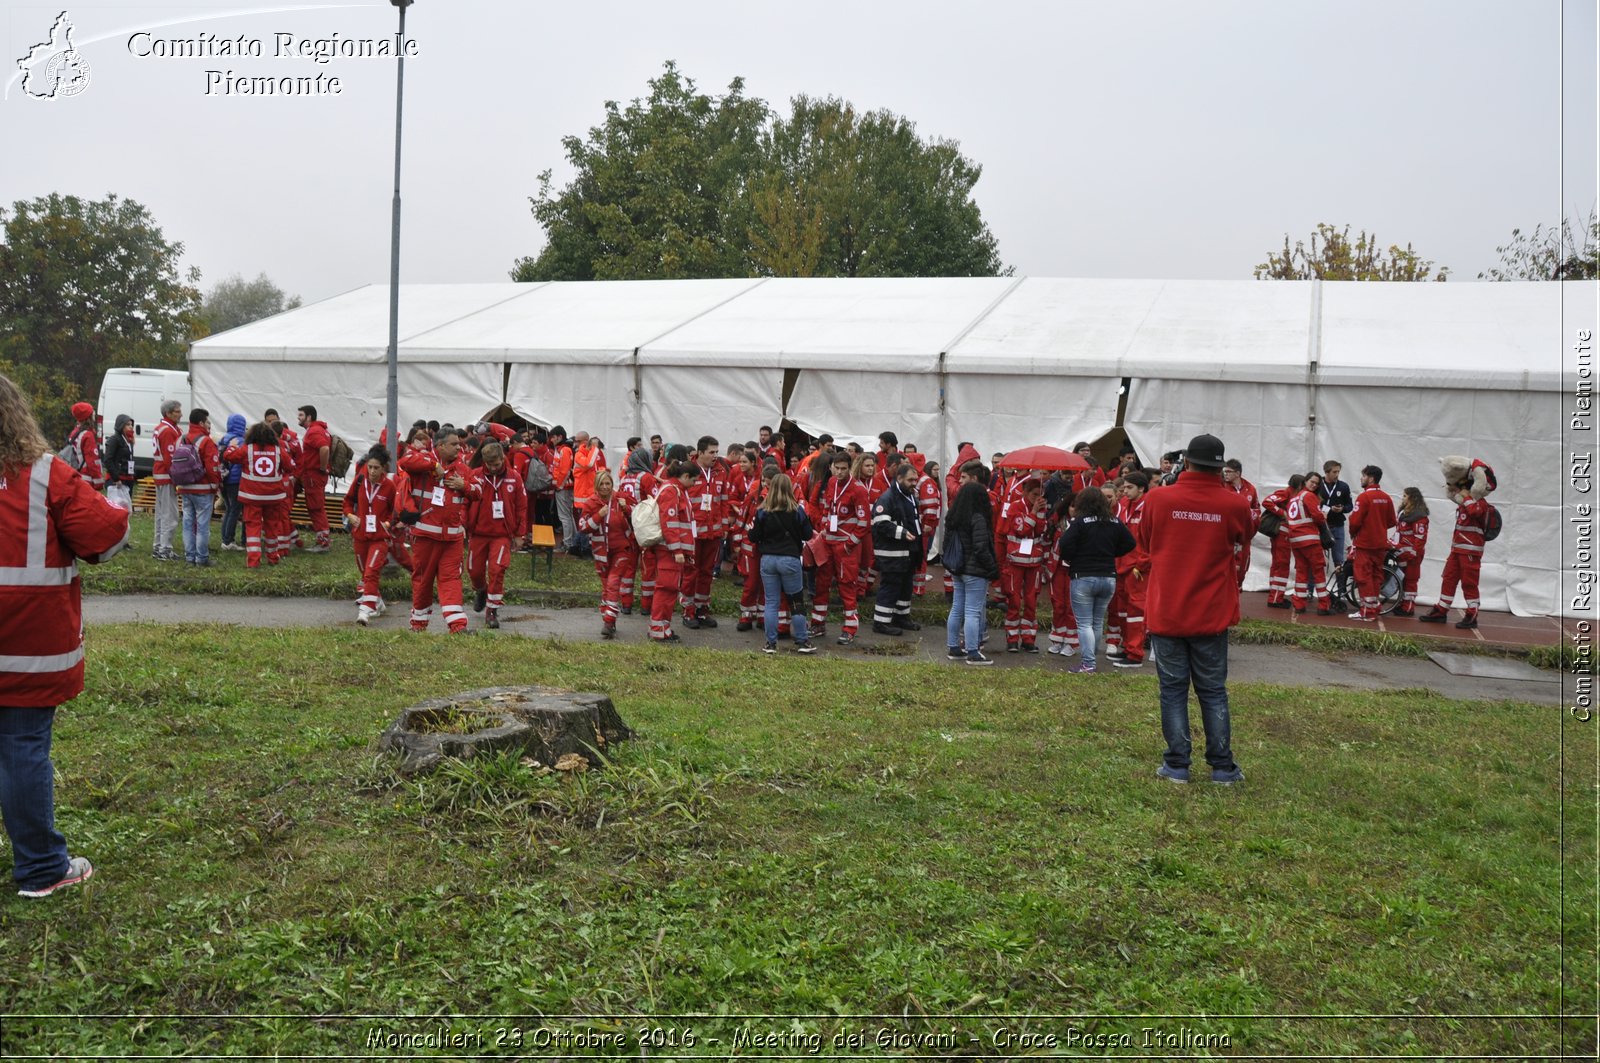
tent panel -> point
(360, 318)
(683, 404)
(597, 399)
(1000, 413)
(852, 405)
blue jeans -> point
(28, 797)
(965, 625)
(783, 575)
(196, 526)
(1203, 662)
(1091, 596)
(1337, 531)
(232, 511)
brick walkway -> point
(1501, 629)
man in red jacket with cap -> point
(1370, 520)
(1192, 530)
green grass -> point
(783, 837)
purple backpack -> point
(187, 468)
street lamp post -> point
(393, 414)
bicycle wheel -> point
(1392, 591)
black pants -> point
(894, 597)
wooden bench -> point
(544, 538)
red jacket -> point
(586, 461)
(317, 437)
(260, 472)
(677, 527)
(561, 468)
(209, 458)
(164, 438)
(1025, 527)
(610, 527)
(1470, 520)
(48, 518)
(1192, 530)
(708, 500)
(362, 499)
(1248, 490)
(1137, 559)
(638, 486)
(843, 507)
(1302, 514)
(89, 449)
(952, 475)
(1413, 537)
(442, 509)
(1371, 518)
(929, 506)
(513, 499)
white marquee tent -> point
(1287, 373)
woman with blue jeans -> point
(968, 555)
(779, 533)
(1090, 546)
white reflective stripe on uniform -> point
(892, 553)
(435, 529)
(1467, 548)
(34, 665)
(38, 510)
(38, 577)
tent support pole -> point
(1313, 372)
(638, 396)
(944, 418)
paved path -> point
(1288, 665)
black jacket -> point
(896, 531)
(1337, 495)
(1091, 545)
(780, 534)
(118, 452)
(977, 548)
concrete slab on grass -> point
(1480, 667)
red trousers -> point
(259, 525)
(1241, 563)
(843, 568)
(279, 534)
(1063, 622)
(1412, 575)
(697, 581)
(1309, 568)
(487, 561)
(1021, 586)
(317, 506)
(1460, 568)
(647, 579)
(1127, 606)
(436, 560)
(611, 583)
(370, 557)
(669, 577)
(626, 562)
(751, 601)
(1278, 574)
(1369, 578)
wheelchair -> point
(1344, 594)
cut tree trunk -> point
(539, 722)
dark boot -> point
(608, 630)
(705, 617)
(480, 600)
(492, 620)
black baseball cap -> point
(1205, 451)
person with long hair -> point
(369, 508)
(747, 562)
(608, 520)
(1278, 571)
(262, 460)
(495, 519)
(637, 484)
(675, 552)
(1091, 545)
(50, 518)
(969, 558)
(1413, 530)
(864, 471)
(1303, 523)
(778, 533)
(1063, 622)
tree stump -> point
(540, 722)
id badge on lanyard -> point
(498, 509)
(437, 498)
(372, 524)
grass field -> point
(860, 839)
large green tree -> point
(1334, 256)
(688, 185)
(86, 285)
(235, 301)
(1566, 252)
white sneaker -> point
(381, 608)
(1055, 647)
(78, 870)
(363, 615)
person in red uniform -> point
(1063, 621)
(638, 483)
(1093, 476)
(261, 459)
(1412, 527)
(1278, 573)
(1464, 563)
(87, 443)
(165, 439)
(1024, 521)
(1371, 517)
(496, 516)
(369, 509)
(930, 509)
(675, 553)
(314, 474)
(608, 521)
(708, 499)
(746, 562)
(288, 536)
(1127, 610)
(446, 486)
(50, 519)
(1189, 531)
(842, 503)
(1303, 521)
(1233, 479)
(199, 498)
(866, 469)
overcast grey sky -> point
(1128, 139)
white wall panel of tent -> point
(1287, 373)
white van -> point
(139, 393)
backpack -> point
(538, 479)
(952, 554)
(187, 468)
(1488, 475)
(339, 457)
(1491, 521)
(646, 522)
(72, 454)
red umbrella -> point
(1042, 457)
